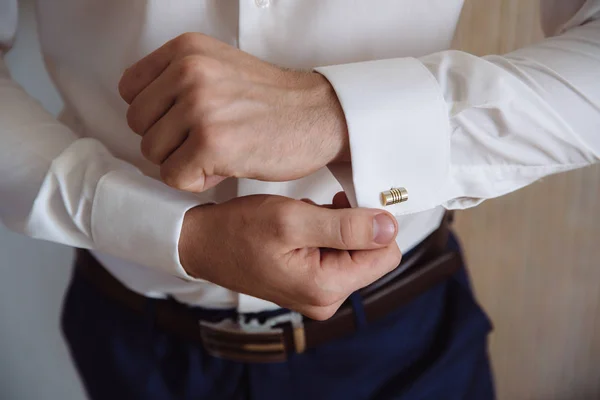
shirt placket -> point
(253, 23)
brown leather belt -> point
(425, 266)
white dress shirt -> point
(452, 128)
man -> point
(235, 109)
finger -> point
(155, 100)
(210, 182)
(312, 203)
(165, 136)
(183, 170)
(142, 73)
(346, 229)
(340, 200)
(318, 313)
(350, 271)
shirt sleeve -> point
(455, 129)
(59, 187)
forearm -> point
(519, 117)
(58, 187)
(455, 129)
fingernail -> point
(384, 229)
(195, 186)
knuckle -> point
(187, 37)
(284, 222)
(190, 68)
(187, 41)
(191, 102)
(124, 88)
(149, 150)
(133, 119)
(197, 69)
(127, 83)
(347, 231)
(210, 66)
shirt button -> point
(262, 3)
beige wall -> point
(535, 254)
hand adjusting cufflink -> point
(394, 196)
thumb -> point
(205, 183)
(348, 229)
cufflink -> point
(394, 196)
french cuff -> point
(139, 219)
(399, 131)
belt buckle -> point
(254, 342)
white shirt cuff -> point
(139, 219)
(399, 131)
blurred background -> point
(534, 256)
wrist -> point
(322, 96)
(339, 125)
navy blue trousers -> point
(433, 348)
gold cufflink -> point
(394, 196)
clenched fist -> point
(298, 255)
(208, 111)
